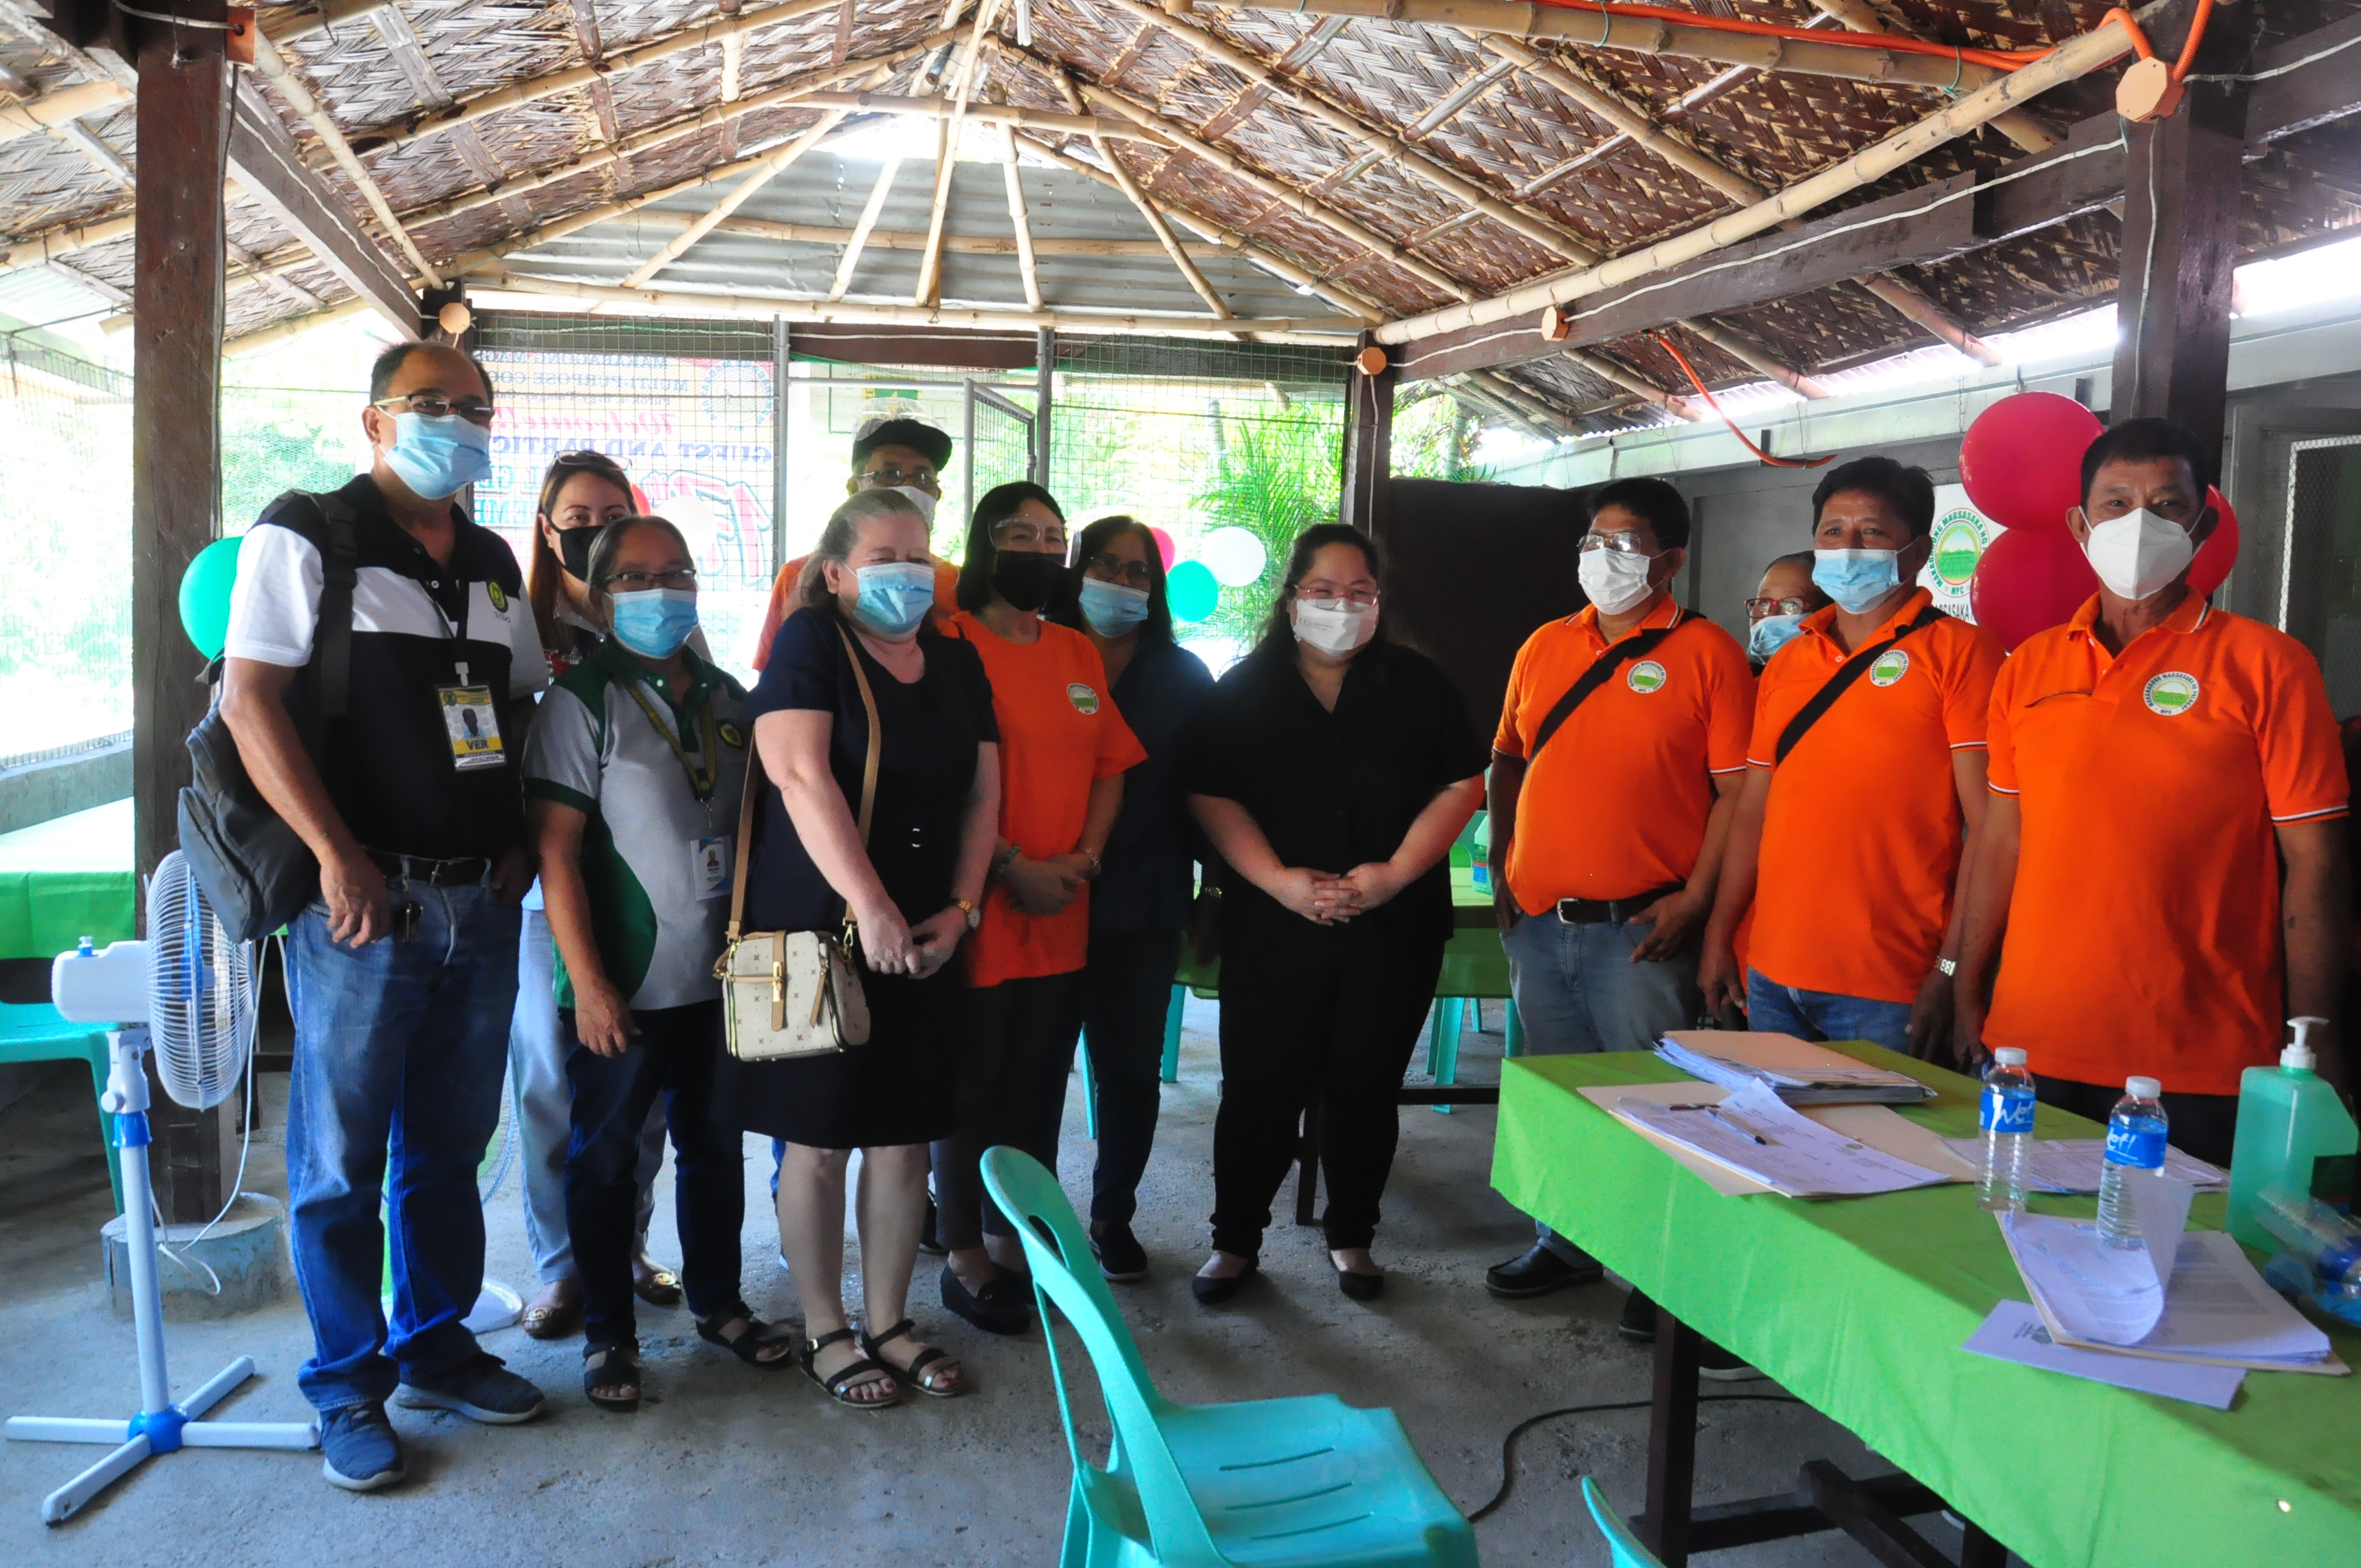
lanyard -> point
(700, 780)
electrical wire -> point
(2278, 71)
(258, 953)
(1697, 381)
(1509, 1444)
(2003, 60)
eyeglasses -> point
(1359, 594)
(1136, 573)
(434, 405)
(633, 582)
(1757, 608)
(1030, 535)
(892, 475)
(1622, 544)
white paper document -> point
(2072, 1164)
(2015, 1333)
(2207, 1304)
(1754, 1133)
(1803, 1073)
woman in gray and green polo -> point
(633, 775)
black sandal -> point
(749, 1343)
(915, 1375)
(834, 1387)
(617, 1367)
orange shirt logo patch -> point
(1084, 699)
(1646, 676)
(2171, 694)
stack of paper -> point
(1755, 1135)
(2178, 1294)
(2072, 1164)
(1803, 1073)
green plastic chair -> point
(1302, 1481)
(1622, 1545)
(32, 1031)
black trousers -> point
(1126, 994)
(2202, 1124)
(1324, 1018)
(674, 1054)
(1012, 1091)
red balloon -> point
(2030, 581)
(2219, 551)
(2022, 460)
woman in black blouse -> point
(1332, 769)
(913, 888)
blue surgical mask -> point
(655, 622)
(895, 596)
(439, 457)
(1111, 608)
(1772, 633)
(1856, 580)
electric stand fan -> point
(188, 993)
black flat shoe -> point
(1121, 1257)
(1361, 1286)
(1004, 1306)
(1537, 1271)
(1638, 1323)
(1212, 1291)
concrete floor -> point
(727, 1465)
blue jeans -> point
(399, 1050)
(1773, 1008)
(1578, 991)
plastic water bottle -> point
(2007, 1117)
(2316, 1234)
(2135, 1133)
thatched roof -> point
(1346, 169)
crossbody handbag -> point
(794, 994)
(1842, 681)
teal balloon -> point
(1191, 589)
(204, 594)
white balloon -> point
(1235, 555)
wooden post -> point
(2180, 240)
(1368, 442)
(1045, 368)
(176, 344)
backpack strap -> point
(340, 551)
(1601, 669)
(1842, 681)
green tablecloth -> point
(1859, 1307)
(66, 879)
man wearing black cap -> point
(903, 455)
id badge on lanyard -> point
(471, 718)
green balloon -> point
(1192, 591)
(204, 594)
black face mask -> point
(574, 549)
(1025, 579)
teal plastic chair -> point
(1302, 1481)
(1621, 1543)
(31, 1032)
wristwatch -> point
(1098, 863)
(1949, 965)
(974, 914)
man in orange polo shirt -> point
(2161, 880)
(905, 455)
(1864, 790)
(1609, 817)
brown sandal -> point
(653, 1283)
(552, 1320)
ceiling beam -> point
(962, 88)
(1743, 349)
(864, 230)
(264, 162)
(60, 107)
(1129, 185)
(1020, 223)
(1912, 304)
(773, 165)
(1860, 17)
(300, 98)
(1593, 30)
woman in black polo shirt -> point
(1332, 769)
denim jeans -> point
(398, 1051)
(545, 1100)
(1578, 991)
(1126, 994)
(1773, 1008)
(673, 1056)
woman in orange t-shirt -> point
(1063, 751)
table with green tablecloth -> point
(1859, 1306)
(66, 879)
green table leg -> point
(1515, 1045)
(1443, 1043)
(1090, 1091)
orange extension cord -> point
(1694, 381)
(1893, 43)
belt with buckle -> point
(1610, 911)
(466, 871)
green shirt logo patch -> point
(2171, 694)
(1891, 666)
(1084, 699)
(730, 734)
(499, 599)
(1646, 676)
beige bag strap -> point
(745, 842)
(877, 736)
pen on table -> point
(1715, 1111)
